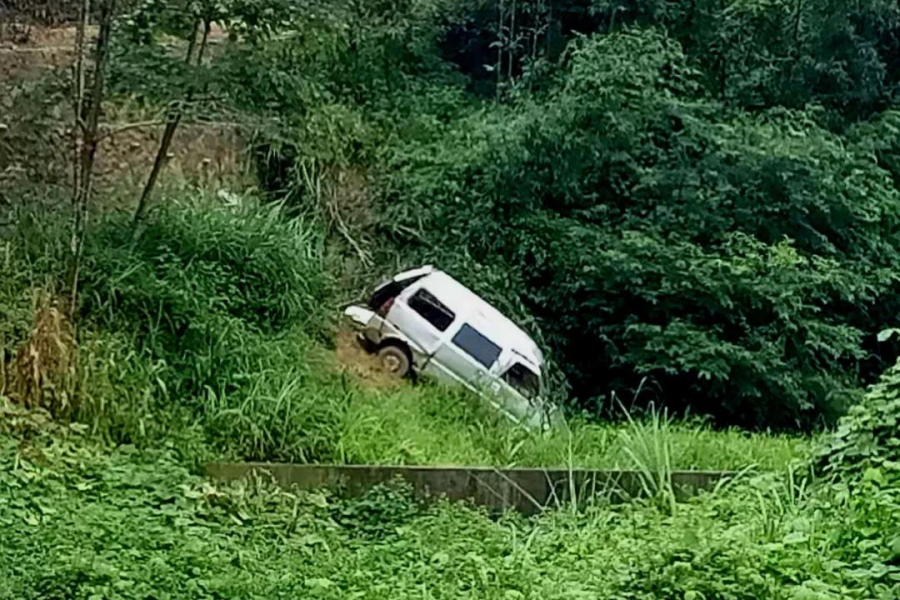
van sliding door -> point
(423, 319)
(470, 355)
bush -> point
(200, 278)
(736, 261)
(868, 437)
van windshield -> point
(523, 380)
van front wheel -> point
(394, 360)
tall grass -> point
(649, 446)
(199, 279)
(31, 260)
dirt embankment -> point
(36, 121)
(353, 359)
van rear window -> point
(523, 380)
(475, 344)
(390, 290)
(431, 309)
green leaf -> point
(886, 334)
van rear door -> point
(388, 291)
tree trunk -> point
(535, 29)
(723, 61)
(798, 20)
(499, 66)
(78, 94)
(511, 53)
(89, 126)
(171, 126)
(549, 24)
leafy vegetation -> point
(866, 441)
(83, 521)
(699, 194)
(692, 205)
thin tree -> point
(78, 92)
(174, 119)
(87, 125)
(499, 66)
(512, 41)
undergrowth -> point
(81, 520)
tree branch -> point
(109, 131)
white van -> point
(425, 322)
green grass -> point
(435, 426)
(81, 520)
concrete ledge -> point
(526, 490)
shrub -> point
(736, 261)
(868, 437)
(201, 277)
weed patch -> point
(83, 520)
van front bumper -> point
(359, 317)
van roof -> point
(484, 316)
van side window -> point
(472, 342)
(431, 309)
(523, 380)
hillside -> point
(691, 205)
(714, 214)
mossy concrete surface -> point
(526, 490)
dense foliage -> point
(867, 440)
(696, 199)
(656, 227)
(699, 197)
(734, 261)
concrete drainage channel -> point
(525, 490)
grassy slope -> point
(319, 410)
(206, 333)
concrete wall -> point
(526, 490)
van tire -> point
(395, 360)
